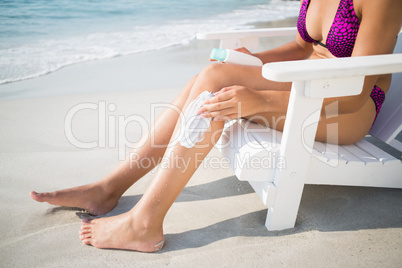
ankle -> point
(108, 190)
(147, 222)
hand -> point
(244, 50)
(231, 103)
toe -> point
(84, 232)
(85, 236)
(159, 245)
(86, 241)
(40, 197)
(85, 227)
(35, 196)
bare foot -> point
(121, 232)
(91, 197)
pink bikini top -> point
(342, 35)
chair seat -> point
(251, 149)
(253, 152)
(277, 166)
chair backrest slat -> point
(389, 120)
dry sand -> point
(217, 221)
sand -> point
(217, 221)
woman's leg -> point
(333, 127)
(142, 228)
(100, 197)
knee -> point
(215, 76)
(212, 79)
(215, 71)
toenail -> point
(86, 220)
(159, 246)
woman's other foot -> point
(124, 231)
(91, 197)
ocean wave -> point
(45, 56)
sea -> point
(38, 37)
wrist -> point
(262, 106)
(258, 55)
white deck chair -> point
(277, 165)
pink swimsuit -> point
(341, 38)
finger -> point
(223, 96)
(222, 112)
(224, 89)
(226, 117)
(213, 107)
(220, 91)
(243, 50)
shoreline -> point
(165, 68)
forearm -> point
(294, 50)
(274, 101)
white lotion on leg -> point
(194, 125)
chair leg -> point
(283, 211)
(296, 146)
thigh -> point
(180, 100)
(272, 120)
(335, 129)
(346, 128)
(218, 76)
(339, 128)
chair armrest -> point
(245, 38)
(303, 70)
(333, 77)
(314, 80)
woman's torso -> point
(320, 20)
